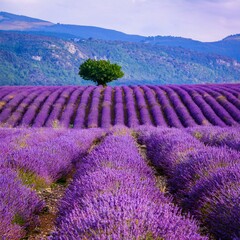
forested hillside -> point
(32, 59)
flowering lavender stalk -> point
(219, 110)
(12, 104)
(204, 180)
(199, 165)
(168, 147)
(145, 116)
(51, 159)
(16, 116)
(30, 114)
(119, 107)
(68, 112)
(217, 136)
(114, 196)
(18, 206)
(106, 108)
(191, 106)
(214, 200)
(169, 112)
(154, 106)
(79, 121)
(180, 109)
(25, 154)
(42, 115)
(226, 104)
(58, 107)
(92, 118)
(205, 108)
(132, 117)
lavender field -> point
(91, 107)
(128, 163)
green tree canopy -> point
(100, 71)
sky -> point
(203, 20)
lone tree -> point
(100, 71)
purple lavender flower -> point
(216, 136)
(18, 207)
(114, 195)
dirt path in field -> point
(161, 183)
(161, 180)
(47, 217)
(52, 197)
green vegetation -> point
(31, 179)
(18, 219)
(100, 71)
(28, 59)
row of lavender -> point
(88, 107)
(114, 196)
(30, 161)
(114, 193)
(204, 179)
(217, 136)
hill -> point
(229, 46)
(38, 52)
(10, 21)
(32, 59)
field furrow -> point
(114, 195)
(204, 180)
(131, 106)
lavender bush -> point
(169, 113)
(132, 119)
(225, 101)
(192, 107)
(79, 121)
(155, 107)
(119, 109)
(68, 112)
(32, 110)
(106, 114)
(145, 116)
(168, 147)
(19, 206)
(216, 136)
(92, 118)
(43, 113)
(219, 110)
(204, 180)
(180, 108)
(32, 160)
(114, 196)
(50, 158)
(84, 107)
(204, 107)
(56, 112)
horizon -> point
(174, 36)
(201, 20)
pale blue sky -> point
(205, 20)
